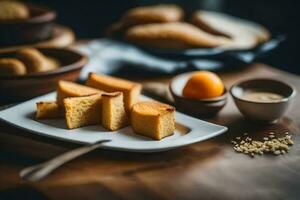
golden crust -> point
(152, 108)
(112, 94)
(48, 110)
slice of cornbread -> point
(153, 119)
(83, 111)
(113, 111)
(48, 110)
(69, 89)
(131, 90)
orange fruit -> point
(203, 85)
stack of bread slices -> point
(111, 102)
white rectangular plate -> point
(23, 116)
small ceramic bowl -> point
(198, 108)
(18, 88)
(38, 27)
(263, 112)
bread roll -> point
(35, 61)
(11, 66)
(13, 10)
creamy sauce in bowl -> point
(262, 96)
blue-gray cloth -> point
(112, 57)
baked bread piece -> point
(35, 61)
(174, 35)
(53, 63)
(131, 90)
(83, 111)
(161, 13)
(11, 66)
(69, 89)
(113, 111)
(48, 110)
(243, 34)
(13, 10)
(153, 119)
(153, 14)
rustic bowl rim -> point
(79, 64)
(208, 100)
(285, 99)
(47, 15)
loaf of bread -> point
(113, 111)
(153, 119)
(173, 35)
(131, 90)
(242, 34)
(83, 111)
(11, 66)
(69, 89)
(48, 110)
(161, 13)
(153, 14)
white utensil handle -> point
(40, 171)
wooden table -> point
(206, 170)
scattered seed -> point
(277, 152)
(270, 144)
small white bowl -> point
(263, 112)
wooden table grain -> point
(205, 170)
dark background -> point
(90, 18)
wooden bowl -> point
(198, 108)
(38, 27)
(18, 88)
(263, 112)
